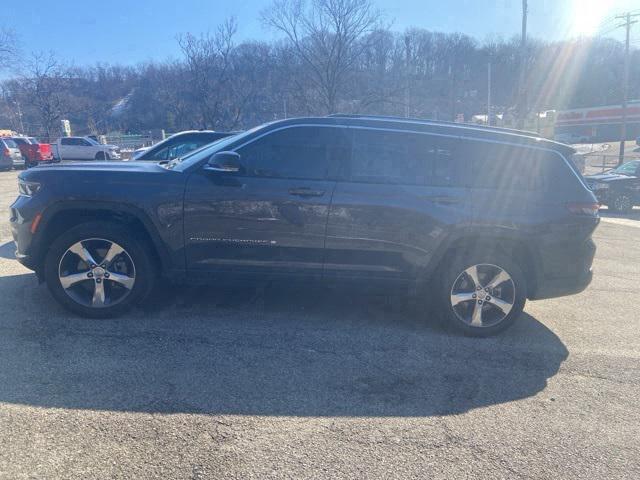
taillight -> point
(580, 208)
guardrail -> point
(605, 162)
(130, 141)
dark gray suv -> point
(475, 220)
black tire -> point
(621, 203)
(136, 248)
(102, 156)
(451, 272)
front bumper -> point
(21, 218)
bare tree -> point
(8, 48)
(328, 35)
(44, 86)
(208, 60)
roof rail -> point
(434, 122)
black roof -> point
(434, 122)
(479, 132)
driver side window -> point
(312, 153)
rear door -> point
(403, 194)
(68, 149)
(271, 218)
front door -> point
(269, 219)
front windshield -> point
(209, 149)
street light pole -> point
(522, 107)
(489, 93)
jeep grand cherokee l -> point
(475, 220)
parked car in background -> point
(178, 145)
(10, 155)
(474, 219)
(33, 152)
(84, 148)
(618, 189)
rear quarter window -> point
(516, 168)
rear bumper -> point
(562, 287)
(565, 272)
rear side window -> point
(403, 158)
(66, 141)
(507, 167)
(313, 153)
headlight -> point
(28, 189)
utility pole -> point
(628, 21)
(407, 93)
(489, 93)
(522, 102)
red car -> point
(34, 152)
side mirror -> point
(227, 162)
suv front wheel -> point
(99, 270)
(482, 295)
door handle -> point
(443, 199)
(306, 192)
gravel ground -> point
(283, 383)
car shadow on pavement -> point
(281, 351)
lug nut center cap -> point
(98, 272)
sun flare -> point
(586, 16)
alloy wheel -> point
(96, 273)
(483, 295)
(622, 203)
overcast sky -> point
(126, 31)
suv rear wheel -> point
(99, 270)
(482, 295)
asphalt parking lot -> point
(283, 383)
